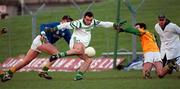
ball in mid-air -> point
(90, 51)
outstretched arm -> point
(105, 24)
(132, 31)
(48, 27)
(68, 25)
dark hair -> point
(161, 16)
(142, 25)
(70, 19)
(65, 17)
(89, 14)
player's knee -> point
(88, 61)
(53, 58)
(79, 51)
(160, 76)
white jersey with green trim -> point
(82, 32)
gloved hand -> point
(43, 33)
(118, 27)
(43, 37)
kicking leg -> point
(78, 49)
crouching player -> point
(41, 43)
(150, 50)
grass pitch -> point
(92, 80)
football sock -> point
(10, 72)
(62, 54)
(45, 69)
(1, 75)
(79, 73)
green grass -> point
(93, 80)
(18, 39)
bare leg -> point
(1, 71)
(50, 49)
(1, 74)
(27, 59)
(85, 66)
(146, 70)
(159, 69)
(165, 70)
(78, 49)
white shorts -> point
(36, 43)
(76, 39)
(152, 57)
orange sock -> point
(13, 70)
(1, 72)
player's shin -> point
(83, 68)
(1, 73)
(146, 70)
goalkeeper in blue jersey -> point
(42, 43)
(54, 35)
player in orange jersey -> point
(150, 50)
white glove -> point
(43, 33)
(43, 37)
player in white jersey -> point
(80, 39)
(170, 43)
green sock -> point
(62, 54)
(45, 68)
(1, 75)
(10, 72)
(79, 73)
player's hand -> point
(43, 33)
(43, 37)
(118, 27)
(3, 30)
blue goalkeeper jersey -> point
(53, 37)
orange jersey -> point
(148, 41)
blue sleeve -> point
(49, 25)
(67, 36)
